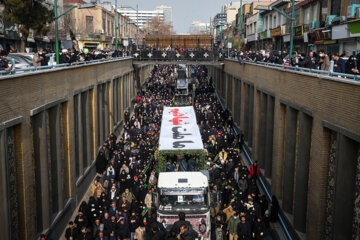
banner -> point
(179, 130)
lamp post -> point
(56, 17)
(240, 24)
(137, 23)
(116, 26)
(291, 18)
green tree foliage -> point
(28, 14)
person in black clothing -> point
(179, 223)
(71, 231)
(187, 233)
(4, 65)
(244, 229)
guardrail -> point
(301, 69)
(32, 69)
(186, 55)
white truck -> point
(186, 192)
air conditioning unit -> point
(101, 31)
(329, 20)
(315, 24)
(351, 10)
(339, 20)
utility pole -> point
(240, 25)
(292, 28)
(116, 25)
(137, 26)
(56, 33)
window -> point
(354, 2)
(103, 24)
(315, 12)
(275, 23)
(108, 27)
(307, 15)
(89, 24)
(324, 10)
(297, 17)
(335, 7)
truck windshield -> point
(183, 199)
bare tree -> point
(158, 26)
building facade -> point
(141, 16)
(94, 28)
(167, 10)
(319, 24)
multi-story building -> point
(141, 16)
(94, 28)
(167, 10)
(231, 9)
(271, 27)
(199, 28)
(330, 25)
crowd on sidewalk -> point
(315, 60)
(120, 205)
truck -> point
(183, 181)
(186, 192)
(182, 97)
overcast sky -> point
(183, 11)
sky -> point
(183, 11)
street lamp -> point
(292, 19)
(56, 17)
(240, 24)
(137, 22)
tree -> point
(157, 26)
(34, 14)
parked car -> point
(21, 60)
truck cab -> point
(186, 192)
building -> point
(141, 16)
(94, 28)
(199, 28)
(274, 35)
(332, 27)
(319, 24)
(231, 9)
(167, 10)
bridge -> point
(303, 129)
(195, 57)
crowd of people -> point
(120, 203)
(44, 57)
(314, 60)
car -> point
(21, 60)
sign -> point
(229, 44)
(126, 43)
(319, 35)
(179, 130)
(11, 31)
(275, 32)
(264, 35)
(299, 31)
(354, 27)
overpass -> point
(303, 129)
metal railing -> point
(54, 66)
(174, 55)
(301, 69)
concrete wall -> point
(51, 126)
(287, 118)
